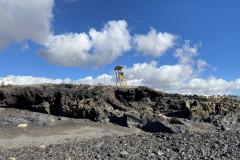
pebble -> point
(22, 125)
(124, 154)
(219, 145)
(42, 146)
(160, 153)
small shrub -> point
(100, 84)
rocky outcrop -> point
(133, 107)
(210, 109)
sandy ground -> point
(56, 133)
(70, 129)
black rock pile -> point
(139, 107)
(190, 146)
(133, 107)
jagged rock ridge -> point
(134, 107)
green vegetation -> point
(202, 97)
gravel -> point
(191, 145)
(74, 139)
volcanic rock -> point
(126, 106)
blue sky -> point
(189, 47)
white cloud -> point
(166, 78)
(180, 78)
(81, 50)
(154, 44)
(110, 42)
(25, 47)
(151, 74)
(67, 50)
(24, 80)
(25, 19)
(177, 79)
(186, 53)
(31, 20)
(103, 79)
(201, 65)
(28, 80)
(235, 85)
(209, 86)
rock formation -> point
(133, 107)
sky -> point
(186, 47)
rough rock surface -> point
(203, 129)
(221, 145)
(133, 107)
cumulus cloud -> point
(166, 77)
(110, 42)
(28, 80)
(201, 65)
(25, 19)
(186, 53)
(180, 78)
(210, 86)
(31, 20)
(103, 79)
(154, 44)
(24, 80)
(172, 79)
(67, 50)
(81, 50)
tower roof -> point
(118, 68)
